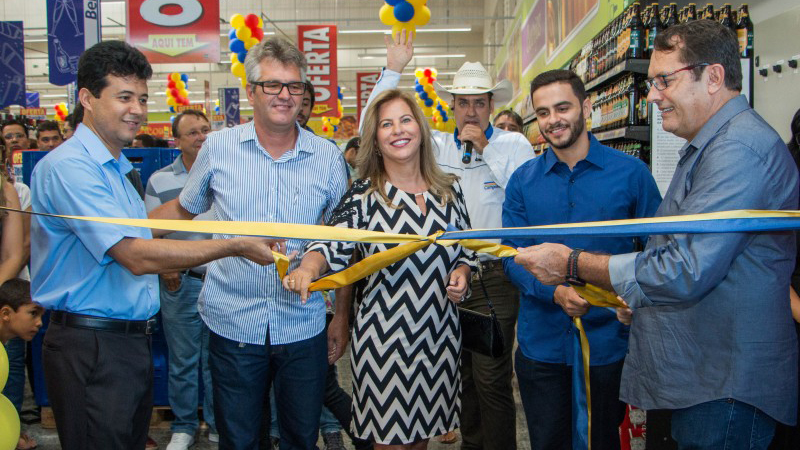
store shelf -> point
(639, 133)
(629, 65)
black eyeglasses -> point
(660, 81)
(275, 87)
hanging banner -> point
(365, 81)
(318, 43)
(32, 99)
(72, 27)
(12, 77)
(229, 105)
(175, 31)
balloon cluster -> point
(247, 31)
(216, 106)
(331, 124)
(9, 418)
(405, 15)
(61, 111)
(177, 90)
(432, 105)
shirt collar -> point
(488, 133)
(177, 165)
(730, 109)
(303, 136)
(98, 151)
(596, 155)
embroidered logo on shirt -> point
(489, 185)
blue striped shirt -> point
(241, 300)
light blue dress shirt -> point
(70, 267)
(241, 300)
(711, 311)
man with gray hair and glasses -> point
(268, 170)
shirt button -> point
(571, 204)
(572, 181)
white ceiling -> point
(281, 17)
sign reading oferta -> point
(175, 31)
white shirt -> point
(484, 179)
(24, 194)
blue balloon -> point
(232, 34)
(185, 77)
(424, 95)
(241, 56)
(236, 46)
(419, 88)
(428, 102)
(335, 129)
(172, 109)
(216, 109)
(393, 2)
(403, 11)
(171, 118)
(444, 118)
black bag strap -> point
(486, 294)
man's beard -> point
(576, 128)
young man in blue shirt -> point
(576, 180)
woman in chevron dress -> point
(406, 340)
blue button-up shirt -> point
(241, 300)
(712, 317)
(70, 268)
(606, 185)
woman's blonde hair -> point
(369, 160)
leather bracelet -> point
(572, 268)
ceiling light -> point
(420, 30)
(452, 55)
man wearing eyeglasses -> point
(712, 337)
(268, 170)
(15, 137)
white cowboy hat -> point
(473, 78)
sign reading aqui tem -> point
(318, 43)
(175, 31)
(365, 82)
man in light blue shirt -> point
(268, 170)
(712, 337)
(98, 278)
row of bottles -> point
(621, 104)
(634, 148)
(631, 34)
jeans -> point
(722, 424)
(327, 423)
(15, 386)
(546, 391)
(242, 375)
(187, 339)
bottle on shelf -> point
(744, 31)
(636, 36)
(672, 17)
(725, 17)
(691, 12)
(708, 12)
(654, 27)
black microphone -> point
(467, 152)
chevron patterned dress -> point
(407, 340)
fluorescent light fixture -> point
(35, 39)
(349, 106)
(266, 33)
(449, 55)
(349, 98)
(419, 30)
(53, 96)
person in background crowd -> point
(585, 181)
(304, 114)
(712, 337)
(350, 154)
(488, 417)
(48, 135)
(508, 120)
(788, 437)
(15, 137)
(144, 140)
(261, 333)
(12, 260)
(70, 124)
(99, 279)
(406, 338)
(186, 334)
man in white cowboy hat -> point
(488, 415)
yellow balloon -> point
(180, 85)
(335, 121)
(429, 89)
(3, 367)
(237, 69)
(9, 423)
(427, 110)
(234, 58)
(243, 33)
(237, 21)
(399, 26)
(260, 22)
(244, 82)
(183, 93)
(434, 72)
(171, 101)
(253, 41)
(386, 15)
(422, 16)
(417, 3)
(175, 76)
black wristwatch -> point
(572, 268)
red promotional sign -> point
(175, 31)
(318, 43)
(365, 81)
